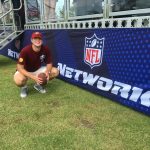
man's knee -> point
(19, 79)
(54, 72)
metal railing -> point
(131, 22)
(8, 13)
(73, 10)
(9, 31)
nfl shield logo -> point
(93, 51)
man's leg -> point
(20, 80)
(52, 9)
(37, 86)
(47, 8)
(54, 73)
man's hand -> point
(47, 74)
(48, 71)
(37, 79)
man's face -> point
(37, 41)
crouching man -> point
(30, 62)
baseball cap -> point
(36, 35)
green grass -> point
(66, 118)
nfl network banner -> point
(114, 63)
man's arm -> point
(48, 70)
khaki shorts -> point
(40, 70)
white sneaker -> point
(39, 88)
(24, 90)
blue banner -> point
(114, 63)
